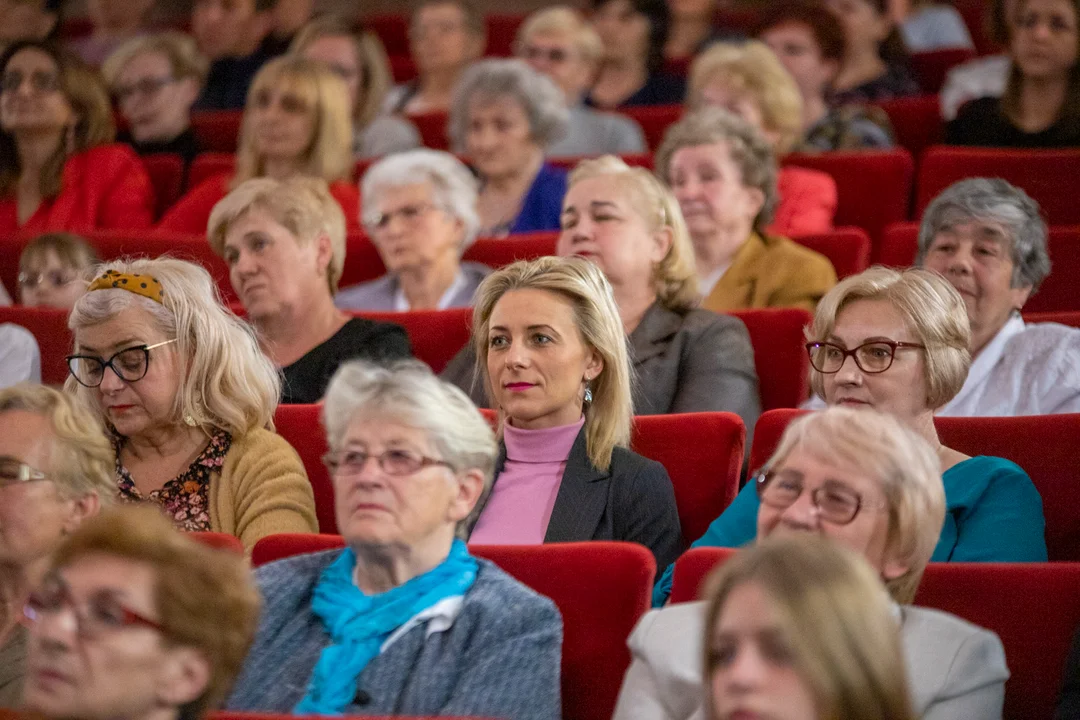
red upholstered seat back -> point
(217, 130)
(848, 249)
(916, 121)
(779, 356)
(644, 160)
(49, 328)
(166, 173)
(602, 589)
(654, 120)
(210, 164)
(1072, 319)
(302, 427)
(220, 541)
(432, 129)
(436, 336)
(930, 68)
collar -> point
(982, 366)
(653, 333)
(440, 617)
(539, 446)
(401, 304)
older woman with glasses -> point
(898, 343)
(404, 620)
(868, 482)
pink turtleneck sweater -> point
(521, 502)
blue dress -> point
(993, 513)
(542, 207)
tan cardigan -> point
(262, 490)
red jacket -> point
(807, 202)
(103, 188)
(191, 213)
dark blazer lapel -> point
(582, 498)
(651, 336)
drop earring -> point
(588, 393)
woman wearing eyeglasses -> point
(404, 621)
(898, 343)
(55, 471)
(188, 397)
(54, 269)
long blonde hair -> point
(609, 415)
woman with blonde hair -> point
(552, 351)
(189, 400)
(298, 122)
(360, 60)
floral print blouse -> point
(185, 498)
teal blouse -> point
(993, 513)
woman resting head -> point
(136, 620)
(54, 270)
(799, 629)
(409, 458)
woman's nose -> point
(747, 669)
(801, 514)
(849, 373)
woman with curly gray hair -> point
(988, 239)
(504, 116)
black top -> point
(358, 339)
(659, 89)
(981, 122)
(897, 81)
(228, 81)
(185, 145)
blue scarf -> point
(359, 624)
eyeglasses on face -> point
(147, 87)
(348, 463)
(15, 472)
(41, 81)
(871, 357)
(408, 213)
(52, 278)
(835, 503)
(130, 365)
(101, 614)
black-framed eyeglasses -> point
(408, 213)
(15, 472)
(147, 86)
(101, 614)
(835, 503)
(54, 278)
(872, 357)
(130, 365)
(392, 462)
(41, 81)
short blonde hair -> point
(375, 77)
(750, 68)
(833, 615)
(302, 205)
(228, 383)
(749, 151)
(609, 415)
(675, 277)
(933, 311)
(179, 49)
(563, 20)
(205, 597)
(82, 460)
(330, 155)
(902, 463)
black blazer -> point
(632, 501)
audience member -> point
(55, 471)
(284, 243)
(1040, 106)
(983, 76)
(558, 42)
(360, 60)
(872, 485)
(58, 168)
(445, 37)
(989, 241)
(155, 80)
(749, 82)
(404, 620)
(22, 20)
(809, 41)
(551, 349)
(907, 336)
(20, 358)
(503, 117)
(54, 270)
(723, 174)
(155, 624)
(432, 195)
(296, 124)
(287, 19)
(115, 23)
(634, 33)
(932, 25)
(692, 28)
(230, 35)
(875, 61)
(188, 402)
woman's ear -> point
(662, 240)
(185, 675)
(81, 509)
(757, 199)
(324, 252)
(470, 488)
(594, 366)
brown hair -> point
(823, 25)
(1010, 99)
(71, 249)
(205, 597)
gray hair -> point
(407, 391)
(993, 200)
(542, 100)
(453, 187)
(750, 151)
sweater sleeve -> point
(646, 512)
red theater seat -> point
(392, 29)
(1044, 445)
(601, 589)
(49, 328)
(930, 68)
(432, 129)
(436, 336)
(217, 130)
(210, 164)
(1072, 319)
(301, 427)
(779, 354)
(402, 68)
(848, 249)
(220, 541)
(501, 31)
(166, 172)
(644, 160)
(654, 120)
(916, 122)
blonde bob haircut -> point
(933, 311)
(228, 384)
(81, 458)
(583, 285)
(329, 156)
(179, 49)
(675, 278)
(302, 205)
(834, 616)
(751, 69)
(371, 59)
(565, 21)
(880, 447)
(206, 598)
